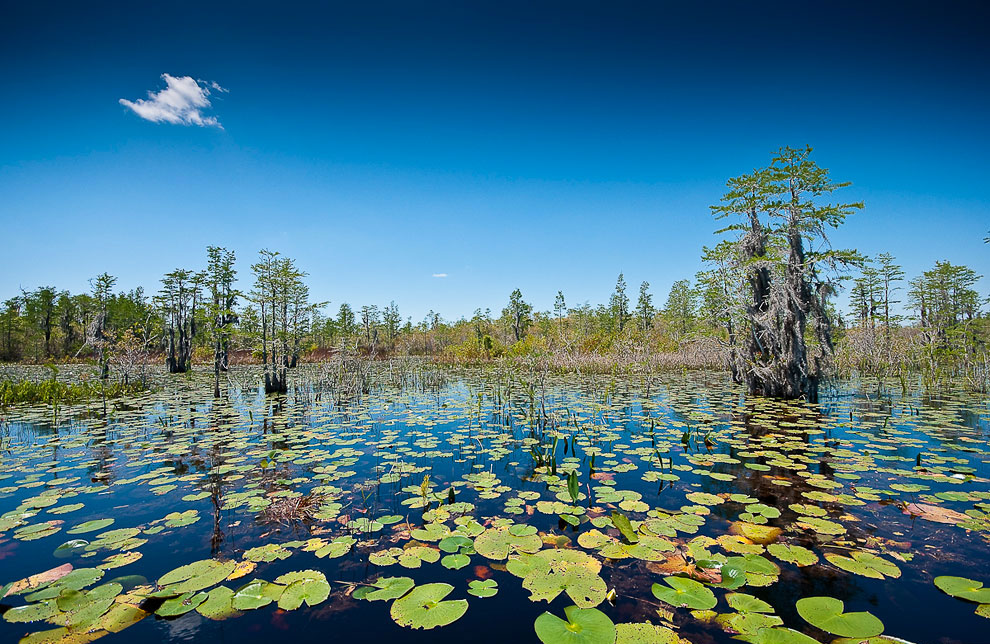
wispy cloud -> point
(181, 102)
(439, 275)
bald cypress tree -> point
(781, 220)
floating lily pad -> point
(582, 626)
(424, 607)
(827, 614)
(684, 592)
(963, 588)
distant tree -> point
(681, 307)
(518, 314)
(559, 307)
(345, 320)
(68, 313)
(890, 275)
(644, 307)
(178, 302)
(369, 321)
(40, 309)
(391, 320)
(866, 294)
(618, 303)
(282, 298)
(10, 322)
(718, 291)
(220, 307)
(97, 336)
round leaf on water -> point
(964, 589)
(582, 626)
(251, 596)
(90, 526)
(483, 587)
(390, 588)
(747, 603)
(865, 564)
(218, 604)
(32, 612)
(645, 634)
(496, 543)
(424, 607)
(70, 548)
(180, 605)
(310, 591)
(827, 614)
(196, 576)
(454, 543)
(681, 591)
(792, 554)
(777, 636)
(455, 562)
(550, 572)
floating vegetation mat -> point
(495, 506)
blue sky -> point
(542, 146)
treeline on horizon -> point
(767, 293)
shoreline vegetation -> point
(764, 310)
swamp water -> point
(460, 505)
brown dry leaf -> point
(669, 566)
(935, 513)
(41, 578)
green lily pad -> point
(688, 593)
(196, 576)
(32, 612)
(747, 603)
(865, 564)
(827, 614)
(963, 588)
(483, 587)
(455, 562)
(423, 607)
(551, 572)
(582, 626)
(645, 634)
(793, 554)
(777, 636)
(390, 588)
(304, 586)
(497, 543)
(90, 526)
(217, 605)
(181, 605)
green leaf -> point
(865, 564)
(681, 591)
(218, 604)
(483, 587)
(424, 607)
(196, 576)
(497, 543)
(390, 588)
(827, 614)
(645, 634)
(747, 603)
(181, 605)
(304, 586)
(963, 588)
(582, 626)
(621, 522)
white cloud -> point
(181, 102)
(439, 275)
